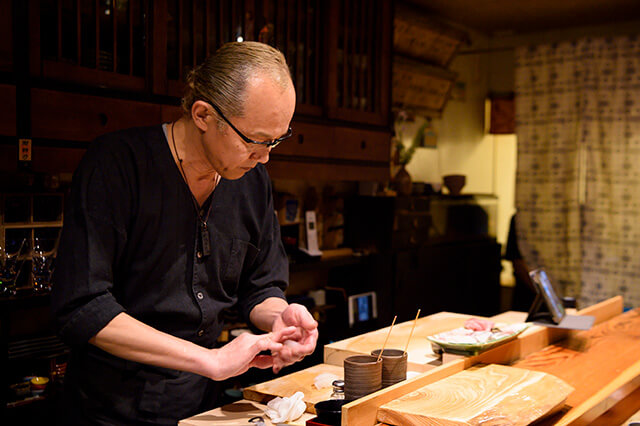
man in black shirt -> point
(166, 227)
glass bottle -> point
(338, 389)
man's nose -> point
(261, 155)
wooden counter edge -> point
(246, 410)
(363, 412)
(585, 413)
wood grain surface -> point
(479, 395)
(237, 413)
(291, 383)
(597, 362)
(362, 412)
(626, 410)
(420, 355)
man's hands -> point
(243, 352)
(298, 344)
(293, 336)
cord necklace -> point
(204, 245)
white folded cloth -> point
(286, 409)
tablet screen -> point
(362, 308)
(545, 288)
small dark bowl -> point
(330, 411)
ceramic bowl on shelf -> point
(454, 183)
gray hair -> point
(222, 78)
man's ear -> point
(201, 115)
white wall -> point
(464, 147)
(460, 134)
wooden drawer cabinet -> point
(359, 52)
(338, 54)
(335, 143)
(326, 152)
(101, 44)
(74, 117)
(358, 144)
(308, 140)
(192, 29)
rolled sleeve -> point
(89, 319)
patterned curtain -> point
(578, 175)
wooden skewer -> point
(412, 328)
(385, 340)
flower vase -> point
(402, 181)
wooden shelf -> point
(423, 49)
(45, 347)
(420, 87)
(417, 35)
(25, 401)
(27, 225)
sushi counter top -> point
(600, 367)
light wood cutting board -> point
(420, 355)
(511, 396)
(299, 381)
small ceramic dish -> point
(474, 348)
(330, 411)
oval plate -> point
(474, 348)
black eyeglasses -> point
(270, 144)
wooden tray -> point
(237, 413)
(299, 381)
(480, 395)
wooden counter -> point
(420, 355)
(602, 364)
(237, 413)
(596, 362)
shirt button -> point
(199, 255)
(200, 296)
(200, 333)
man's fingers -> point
(277, 365)
(266, 343)
(310, 337)
(303, 317)
(305, 345)
(308, 322)
(263, 361)
(284, 334)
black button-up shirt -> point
(129, 245)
